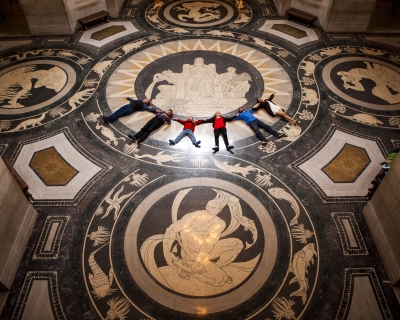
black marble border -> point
(51, 277)
(56, 244)
(347, 249)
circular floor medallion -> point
(367, 82)
(33, 85)
(198, 13)
(210, 257)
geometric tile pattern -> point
(26, 295)
(107, 32)
(51, 167)
(89, 169)
(295, 33)
(289, 30)
(124, 28)
(347, 165)
(49, 242)
(349, 233)
(378, 297)
(310, 166)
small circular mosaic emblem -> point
(182, 16)
(367, 82)
(33, 85)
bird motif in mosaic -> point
(109, 134)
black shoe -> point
(281, 135)
(138, 142)
(132, 137)
(171, 142)
(229, 147)
(215, 149)
(264, 144)
(105, 120)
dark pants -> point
(125, 110)
(217, 132)
(148, 128)
(256, 124)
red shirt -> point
(219, 123)
(189, 124)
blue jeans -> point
(256, 124)
(183, 133)
(125, 110)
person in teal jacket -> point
(255, 125)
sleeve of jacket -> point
(210, 120)
(229, 119)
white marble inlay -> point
(313, 166)
(363, 301)
(38, 304)
(50, 237)
(130, 28)
(349, 232)
(86, 169)
(311, 35)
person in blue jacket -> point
(129, 108)
(255, 125)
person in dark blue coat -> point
(129, 108)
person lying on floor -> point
(129, 108)
(219, 125)
(255, 124)
(153, 124)
(188, 129)
(273, 109)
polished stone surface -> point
(155, 231)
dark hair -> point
(240, 108)
(172, 113)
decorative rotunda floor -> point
(176, 232)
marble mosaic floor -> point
(155, 231)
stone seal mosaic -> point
(205, 259)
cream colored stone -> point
(363, 301)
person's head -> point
(170, 113)
(241, 109)
(190, 118)
(217, 114)
(147, 101)
(259, 99)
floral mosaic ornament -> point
(109, 297)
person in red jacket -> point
(219, 125)
(188, 129)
